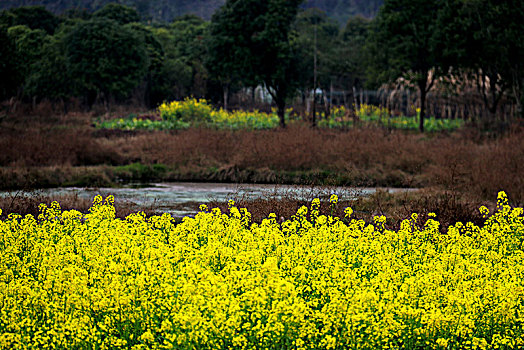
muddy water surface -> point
(181, 199)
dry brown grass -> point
(370, 156)
(24, 203)
(295, 148)
(54, 148)
(450, 208)
(53, 140)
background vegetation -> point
(453, 58)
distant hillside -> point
(341, 10)
(166, 10)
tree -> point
(492, 46)
(156, 57)
(76, 13)
(250, 41)
(189, 33)
(182, 72)
(49, 77)
(404, 43)
(8, 84)
(351, 53)
(317, 40)
(342, 10)
(33, 17)
(120, 13)
(28, 45)
(105, 59)
(227, 47)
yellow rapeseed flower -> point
(217, 281)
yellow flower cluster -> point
(199, 112)
(366, 110)
(189, 110)
(363, 111)
(382, 116)
(243, 119)
(217, 281)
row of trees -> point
(109, 55)
(101, 57)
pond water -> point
(181, 199)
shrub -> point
(190, 110)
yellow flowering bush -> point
(217, 281)
(189, 110)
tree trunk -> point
(327, 106)
(226, 96)
(330, 101)
(281, 111)
(355, 101)
(491, 94)
(147, 93)
(314, 112)
(519, 98)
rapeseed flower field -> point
(218, 281)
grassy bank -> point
(27, 178)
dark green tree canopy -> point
(28, 50)
(8, 58)
(154, 48)
(33, 17)
(492, 47)
(49, 76)
(189, 37)
(353, 58)
(406, 33)
(180, 22)
(356, 29)
(105, 58)
(341, 10)
(156, 57)
(76, 13)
